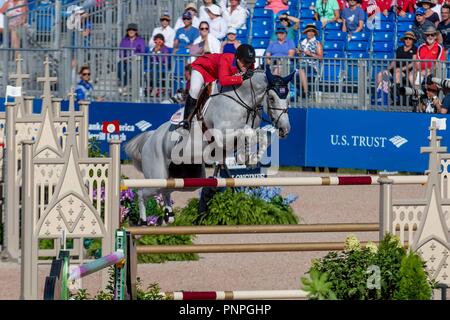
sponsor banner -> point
(368, 139)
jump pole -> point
(236, 295)
(96, 265)
(267, 182)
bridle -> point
(254, 112)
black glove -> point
(248, 74)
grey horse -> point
(232, 110)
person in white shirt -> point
(235, 15)
(166, 30)
(205, 43)
(203, 14)
(218, 26)
(192, 8)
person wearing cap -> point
(352, 17)
(326, 11)
(229, 69)
(230, 44)
(429, 15)
(192, 8)
(203, 14)
(401, 70)
(217, 23)
(282, 47)
(310, 50)
(290, 23)
(420, 25)
(235, 14)
(166, 30)
(430, 50)
(186, 36)
(206, 42)
(444, 27)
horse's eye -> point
(272, 99)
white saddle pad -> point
(177, 117)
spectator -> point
(203, 14)
(158, 66)
(281, 48)
(84, 90)
(235, 15)
(437, 7)
(420, 25)
(405, 6)
(430, 50)
(326, 11)
(285, 21)
(353, 18)
(191, 7)
(310, 49)
(430, 102)
(206, 42)
(133, 41)
(401, 70)
(430, 15)
(444, 28)
(166, 30)
(231, 43)
(383, 6)
(446, 101)
(16, 11)
(218, 25)
(277, 5)
(184, 37)
(342, 4)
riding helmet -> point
(246, 53)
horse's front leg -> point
(169, 216)
(142, 211)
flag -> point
(441, 123)
(111, 126)
(13, 91)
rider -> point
(230, 69)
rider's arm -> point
(226, 77)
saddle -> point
(203, 97)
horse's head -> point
(277, 103)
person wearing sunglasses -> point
(420, 24)
(184, 37)
(166, 30)
(206, 42)
(84, 91)
(192, 9)
(430, 50)
(290, 23)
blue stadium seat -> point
(260, 43)
(306, 14)
(410, 17)
(358, 55)
(332, 68)
(360, 36)
(334, 46)
(242, 33)
(260, 4)
(262, 13)
(383, 46)
(318, 24)
(357, 46)
(335, 35)
(383, 55)
(390, 17)
(305, 4)
(333, 26)
(334, 54)
(386, 26)
(404, 26)
(383, 36)
(294, 6)
(262, 28)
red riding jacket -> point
(218, 66)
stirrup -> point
(185, 124)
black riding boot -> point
(189, 108)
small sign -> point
(111, 127)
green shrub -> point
(239, 208)
(413, 283)
(94, 150)
(352, 271)
(318, 286)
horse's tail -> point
(134, 148)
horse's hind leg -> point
(142, 211)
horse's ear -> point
(289, 78)
(269, 74)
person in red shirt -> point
(229, 69)
(405, 6)
(430, 50)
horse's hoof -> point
(169, 219)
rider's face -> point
(243, 66)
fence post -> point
(362, 84)
(135, 77)
(11, 223)
(5, 52)
(119, 20)
(57, 26)
(385, 206)
(28, 272)
(84, 129)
